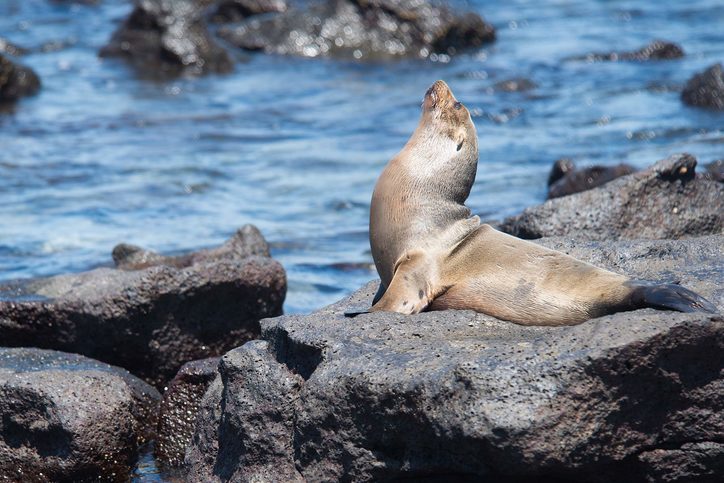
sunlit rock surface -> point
(64, 417)
(154, 319)
(667, 200)
(462, 396)
(364, 29)
(168, 38)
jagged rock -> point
(168, 38)
(656, 50)
(246, 242)
(179, 409)
(715, 170)
(705, 89)
(149, 321)
(7, 47)
(225, 11)
(461, 396)
(664, 201)
(64, 417)
(16, 81)
(363, 29)
(564, 179)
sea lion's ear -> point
(459, 138)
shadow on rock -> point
(64, 417)
(464, 396)
(154, 319)
(667, 200)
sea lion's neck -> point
(435, 163)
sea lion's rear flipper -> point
(670, 297)
(410, 289)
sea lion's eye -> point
(457, 105)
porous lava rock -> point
(462, 396)
(165, 38)
(65, 417)
(179, 409)
(705, 89)
(667, 200)
(363, 29)
(151, 320)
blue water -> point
(295, 145)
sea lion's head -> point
(445, 113)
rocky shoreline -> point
(630, 396)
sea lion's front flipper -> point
(670, 297)
(410, 290)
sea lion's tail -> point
(670, 297)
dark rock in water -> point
(225, 11)
(514, 85)
(168, 38)
(7, 47)
(64, 417)
(664, 201)
(150, 321)
(656, 50)
(246, 242)
(179, 409)
(363, 29)
(705, 89)
(715, 170)
(16, 81)
(466, 397)
(566, 179)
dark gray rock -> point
(461, 396)
(656, 50)
(246, 242)
(16, 81)
(179, 409)
(705, 89)
(664, 201)
(64, 417)
(363, 29)
(149, 321)
(7, 47)
(168, 38)
(564, 179)
(715, 170)
(225, 11)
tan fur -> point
(431, 253)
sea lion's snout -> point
(438, 93)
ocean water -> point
(295, 145)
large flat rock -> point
(155, 316)
(667, 200)
(460, 396)
(64, 417)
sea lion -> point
(432, 254)
(419, 198)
